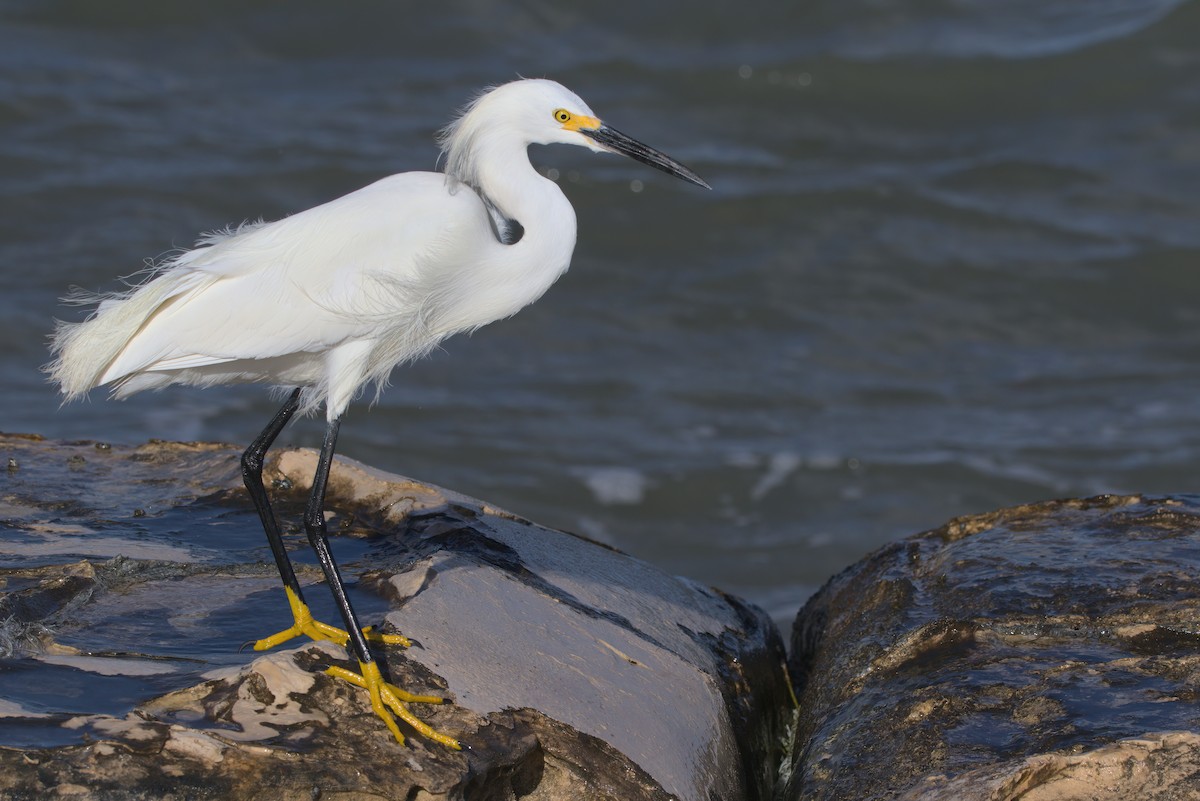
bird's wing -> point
(306, 283)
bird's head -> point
(538, 111)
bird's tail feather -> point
(84, 351)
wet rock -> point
(1050, 651)
(130, 577)
(281, 729)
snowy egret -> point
(333, 298)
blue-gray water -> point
(950, 261)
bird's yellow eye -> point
(562, 115)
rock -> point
(1049, 651)
(1160, 767)
(129, 577)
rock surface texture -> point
(130, 576)
(1043, 653)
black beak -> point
(615, 141)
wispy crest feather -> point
(459, 141)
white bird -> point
(333, 298)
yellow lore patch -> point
(576, 122)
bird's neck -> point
(508, 182)
(512, 276)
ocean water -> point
(950, 262)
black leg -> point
(387, 701)
(252, 466)
(304, 624)
(314, 524)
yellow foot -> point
(385, 697)
(305, 625)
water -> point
(950, 261)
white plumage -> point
(336, 296)
(333, 298)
